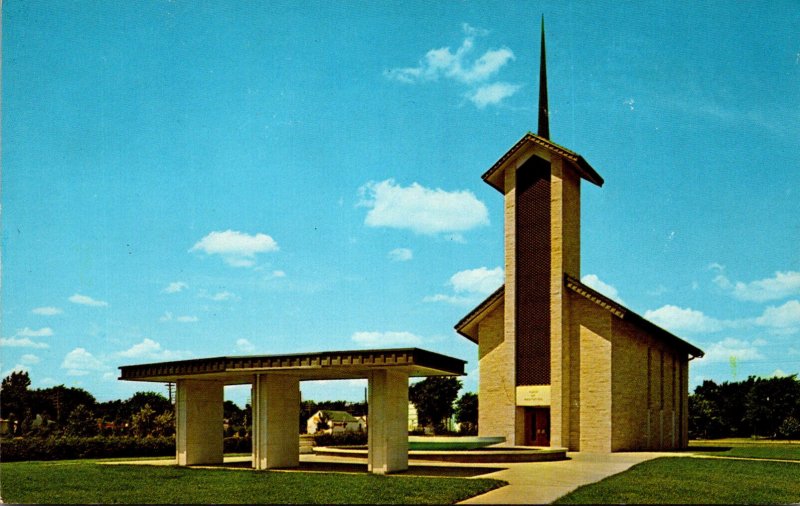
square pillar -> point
(387, 425)
(276, 411)
(198, 422)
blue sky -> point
(191, 179)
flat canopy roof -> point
(307, 366)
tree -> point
(157, 402)
(144, 422)
(81, 422)
(433, 397)
(14, 393)
(164, 424)
(467, 413)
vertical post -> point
(198, 422)
(387, 430)
(276, 408)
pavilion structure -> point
(275, 382)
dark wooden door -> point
(537, 426)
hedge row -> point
(341, 439)
(73, 447)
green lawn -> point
(90, 482)
(736, 448)
(682, 480)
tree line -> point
(761, 407)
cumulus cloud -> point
(677, 319)
(237, 249)
(592, 281)
(244, 346)
(421, 210)
(470, 285)
(491, 94)
(384, 339)
(80, 362)
(780, 286)
(47, 310)
(730, 348)
(175, 287)
(29, 358)
(784, 319)
(462, 67)
(401, 255)
(21, 342)
(152, 350)
(220, 296)
(42, 332)
(85, 300)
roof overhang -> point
(306, 366)
(468, 326)
(628, 315)
(494, 176)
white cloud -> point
(47, 310)
(592, 281)
(481, 280)
(420, 209)
(168, 317)
(24, 342)
(730, 348)
(80, 362)
(237, 249)
(491, 94)
(244, 346)
(785, 318)
(278, 274)
(152, 350)
(175, 287)
(220, 296)
(385, 339)
(42, 332)
(29, 358)
(780, 286)
(461, 67)
(470, 286)
(678, 320)
(16, 368)
(85, 300)
(778, 373)
(401, 255)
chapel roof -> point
(468, 326)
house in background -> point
(332, 422)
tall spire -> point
(544, 114)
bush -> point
(790, 428)
(237, 445)
(73, 447)
(341, 439)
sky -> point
(208, 178)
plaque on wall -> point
(533, 395)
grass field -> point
(90, 482)
(747, 449)
(686, 480)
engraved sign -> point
(533, 395)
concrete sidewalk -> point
(544, 482)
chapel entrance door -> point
(537, 426)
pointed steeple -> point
(544, 114)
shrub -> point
(340, 439)
(237, 445)
(790, 428)
(73, 447)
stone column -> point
(387, 423)
(276, 408)
(198, 422)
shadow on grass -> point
(346, 467)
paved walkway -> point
(544, 482)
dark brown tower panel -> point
(533, 272)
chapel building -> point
(561, 364)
